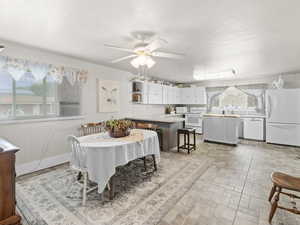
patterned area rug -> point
(141, 198)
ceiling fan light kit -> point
(142, 60)
(225, 74)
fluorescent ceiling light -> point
(200, 75)
(2, 47)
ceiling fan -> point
(144, 51)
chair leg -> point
(272, 192)
(154, 163)
(79, 175)
(194, 140)
(145, 164)
(84, 188)
(178, 141)
(188, 143)
(274, 205)
(112, 188)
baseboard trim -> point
(39, 165)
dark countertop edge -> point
(151, 120)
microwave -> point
(181, 110)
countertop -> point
(233, 115)
(221, 115)
(160, 119)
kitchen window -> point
(244, 99)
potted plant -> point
(118, 128)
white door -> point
(283, 106)
(286, 134)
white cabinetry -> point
(254, 128)
(155, 93)
(152, 93)
(200, 95)
(187, 96)
(221, 129)
(194, 95)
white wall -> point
(40, 140)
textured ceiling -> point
(252, 36)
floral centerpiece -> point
(118, 128)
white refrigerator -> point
(283, 116)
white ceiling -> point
(252, 36)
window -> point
(28, 98)
(6, 95)
(235, 99)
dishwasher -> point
(254, 128)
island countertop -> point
(222, 115)
(159, 119)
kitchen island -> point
(168, 125)
(221, 128)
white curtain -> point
(258, 93)
(212, 95)
(256, 90)
(18, 67)
(39, 70)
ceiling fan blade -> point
(123, 58)
(155, 44)
(171, 55)
(119, 48)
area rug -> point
(141, 198)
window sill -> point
(41, 120)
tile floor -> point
(234, 190)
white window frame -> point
(44, 104)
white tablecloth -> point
(102, 157)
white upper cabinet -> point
(200, 95)
(192, 96)
(152, 93)
(155, 93)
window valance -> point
(18, 67)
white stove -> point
(193, 119)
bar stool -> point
(186, 134)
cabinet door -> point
(200, 95)
(165, 94)
(254, 128)
(155, 94)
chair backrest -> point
(148, 126)
(91, 128)
(78, 155)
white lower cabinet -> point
(254, 128)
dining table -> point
(105, 153)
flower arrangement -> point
(118, 128)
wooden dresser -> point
(8, 215)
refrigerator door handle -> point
(283, 125)
(269, 106)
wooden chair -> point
(91, 128)
(283, 181)
(78, 163)
(147, 126)
(154, 127)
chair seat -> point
(286, 181)
(187, 130)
